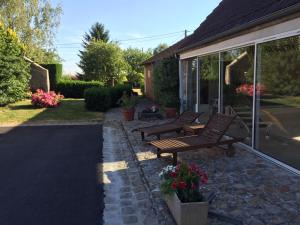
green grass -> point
(70, 110)
(293, 101)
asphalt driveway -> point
(48, 175)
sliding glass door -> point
(237, 70)
(208, 85)
(277, 129)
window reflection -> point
(189, 84)
(237, 71)
(278, 100)
(208, 85)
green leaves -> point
(14, 71)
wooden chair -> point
(212, 135)
(176, 125)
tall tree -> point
(134, 57)
(96, 33)
(104, 62)
(160, 48)
(35, 22)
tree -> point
(35, 22)
(104, 62)
(14, 71)
(134, 57)
(96, 33)
(160, 48)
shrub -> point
(75, 88)
(117, 91)
(46, 99)
(14, 71)
(97, 99)
(166, 80)
(55, 74)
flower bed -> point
(46, 99)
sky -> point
(139, 24)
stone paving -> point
(247, 187)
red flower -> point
(182, 185)
(204, 178)
(174, 185)
(173, 174)
(193, 186)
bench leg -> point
(158, 153)
(230, 152)
(142, 136)
(158, 137)
(174, 158)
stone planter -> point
(128, 114)
(170, 112)
(193, 213)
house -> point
(244, 59)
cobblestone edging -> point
(127, 200)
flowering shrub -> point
(184, 180)
(248, 89)
(46, 99)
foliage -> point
(97, 99)
(14, 71)
(96, 33)
(55, 74)
(35, 22)
(280, 63)
(75, 88)
(128, 102)
(166, 82)
(46, 99)
(117, 92)
(160, 48)
(134, 57)
(103, 62)
(184, 180)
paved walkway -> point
(248, 188)
(48, 175)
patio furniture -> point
(176, 125)
(212, 135)
(192, 129)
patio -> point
(248, 188)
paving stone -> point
(128, 210)
(130, 219)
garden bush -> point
(46, 99)
(97, 99)
(75, 88)
(14, 70)
(166, 82)
(116, 93)
(55, 74)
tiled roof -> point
(228, 15)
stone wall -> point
(39, 78)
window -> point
(208, 85)
(237, 68)
(277, 129)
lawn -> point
(70, 110)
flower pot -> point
(128, 114)
(170, 112)
(191, 213)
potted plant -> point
(128, 103)
(181, 187)
(170, 103)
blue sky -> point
(127, 19)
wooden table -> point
(193, 128)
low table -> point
(193, 128)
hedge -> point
(55, 74)
(103, 98)
(97, 99)
(75, 88)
